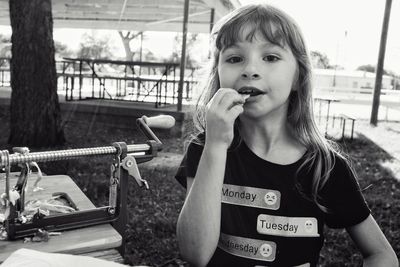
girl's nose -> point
(250, 72)
(250, 75)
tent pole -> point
(379, 67)
(212, 15)
(183, 55)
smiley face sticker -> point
(270, 198)
(308, 226)
(266, 250)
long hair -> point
(280, 29)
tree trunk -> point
(128, 52)
(35, 119)
(126, 40)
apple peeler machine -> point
(124, 165)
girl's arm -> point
(373, 244)
(199, 222)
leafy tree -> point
(320, 60)
(148, 56)
(4, 38)
(5, 51)
(372, 68)
(190, 43)
(126, 39)
(35, 117)
(395, 82)
(95, 48)
(62, 50)
(5, 46)
(367, 68)
(336, 67)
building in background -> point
(352, 80)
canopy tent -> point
(133, 15)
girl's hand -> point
(222, 111)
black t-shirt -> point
(265, 220)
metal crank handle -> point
(129, 164)
(161, 121)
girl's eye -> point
(234, 59)
(271, 58)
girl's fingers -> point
(231, 100)
(235, 111)
(222, 110)
(215, 101)
(226, 98)
(245, 97)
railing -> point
(83, 79)
(155, 82)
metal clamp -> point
(129, 164)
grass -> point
(151, 236)
(381, 190)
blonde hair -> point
(280, 29)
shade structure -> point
(133, 15)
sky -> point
(348, 32)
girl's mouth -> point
(250, 90)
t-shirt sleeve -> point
(190, 161)
(343, 197)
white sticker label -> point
(287, 226)
(302, 265)
(251, 197)
(248, 248)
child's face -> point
(262, 65)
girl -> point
(261, 180)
